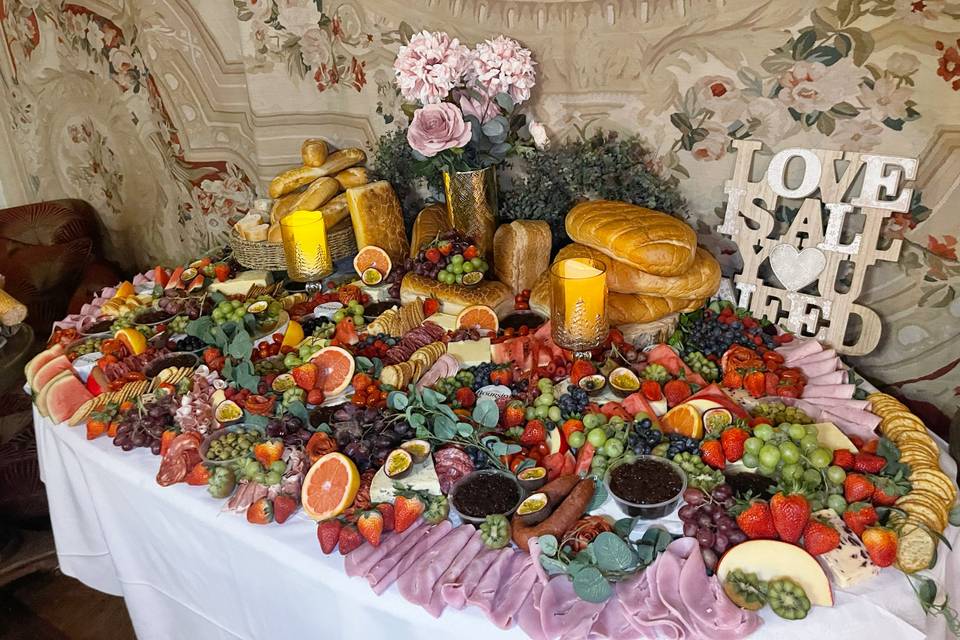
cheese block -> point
(242, 284)
(849, 563)
(378, 219)
(470, 353)
(521, 253)
(444, 320)
(423, 477)
(455, 297)
(831, 437)
(432, 221)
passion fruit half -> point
(534, 509)
(398, 464)
(623, 381)
(188, 275)
(228, 412)
(593, 385)
(371, 277)
(716, 420)
(283, 382)
(533, 478)
(418, 450)
(472, 278)
(258, 307)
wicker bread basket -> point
(270, 257)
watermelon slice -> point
(637, 402)
(49, 371)
(39, 360)
(664, 355)
(174, 282)
(41, 398)
(160, 276)
(66, 394)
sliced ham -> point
(416, 584)
(528, 617)
(798, 349)
(412, 556)
(826, 354)
(388, 562)
(834, 377)
(456, 592)
(820, 368)
(361, 560)
(849, 403)
(513, 591)
(830, 391)
(501, 571)
(466, 557)
(445, 366)
(563, 614)
(860, 427)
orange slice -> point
(293, 335)
(124, 290)
(133, 340)
(478, 316)
(683, 419)
(330, 486)
(372, 257)
(334, 369)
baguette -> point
(296, 178)
(430, 223)
(317, 194)
(456, 297)
(313, 152)
(335, 210)
(644, 239)
(701, 281)
(521, 253)
(12, 311)
(352, 177)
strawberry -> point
(315, 396)
(770, 383)
(581, 369)
(305, 376)
(283, 507)
(433, 255)
(819, 537)
(857, 487)
(370, 526)
(533, 434)
(260, 512)
(501, 375)
(199, 475)
(755, 383)
(756, 521)
(868, 463)
(859, 516)
(888, 490)
(328, 533)
(386, 510)
(843, 458)
(445, 248)
(465, 397)
(268, 452)
(349, 539)
(732, 440)
(346, 332)
(651, 390)
(790, 515)
(881, 544)
(470, 252)
(711, 452)
(96, 428)
(732, 379)
(676, 391)
(430, 306)
(406, 510)
(222, 271)
(513, 414)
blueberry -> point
(645, 423)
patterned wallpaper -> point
(170, 115)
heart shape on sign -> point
(796, 269)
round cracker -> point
(916, 548)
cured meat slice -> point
(797, 349)
(563, 614)
(831, 391)
(838, 402)
(825, 354)
(820, 368)
(834, 377)
(412, 556)
(528, 617)
(388, 562)
(513, 591)
(416, 584)
(455, 593)
(485, 593)
(361, 560)
(182, 456)
(466, 557)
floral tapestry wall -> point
(170, 116)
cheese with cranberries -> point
(849, 563)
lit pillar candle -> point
(305, 246)
(578, 303)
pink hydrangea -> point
(430, 66)
(502, 65)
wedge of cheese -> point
(378, 219)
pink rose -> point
(436, 128)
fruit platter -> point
(415, 418)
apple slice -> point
(702, 404)
(659, 406)
(771, 559)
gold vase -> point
(472, 205)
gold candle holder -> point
(578, 304)
(305, 246)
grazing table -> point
(186, 570)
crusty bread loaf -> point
(317, 194)
(352, 177)
(378, 220)
(701, 281)
(296, 178)
(313, 152)
(456, 297)
(622, 308)
(645, 239)
(335, 210)
(521, 252)
(429, 224)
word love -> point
(819, 267)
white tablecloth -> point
(187, 570)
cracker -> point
(916, 548)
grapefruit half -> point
(330, 486)
(372, 257)
(478, 316)
(334, 369)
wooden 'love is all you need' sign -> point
(819, 267)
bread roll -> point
(255, 233)
(296, 178)
(645, 239)
(378, 220)
(521, 253)
(432, 221)
(313, 152)
(335, 211)
(312, 198)
(352, 177)
(701, 281)
(622, 308)
(456, 297)
(12, 311)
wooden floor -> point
(52, 606)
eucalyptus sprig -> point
(610, 557)
(436, 422)
(926, 591)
